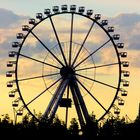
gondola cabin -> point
(110, 29)
(81, 10)
(12, 54)
(20, 112)
(20, 35)
(15, 103)
(123, 54)
(72, 8)
(124, 93)
(10, 84)
(89, 12)
(32, 21)
(126, 73)
(125, 83)
(64, 8)
(117, 111)
(116, 37)
(121, 102)
(120, 45)
(97, 16)
(10, 63)
(104, 22)
(39, 16)
(25, 28)
(125, 63)
(56, 9)
(9, 74)
(47, 12)
(15, 44)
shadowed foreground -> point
(30, 128)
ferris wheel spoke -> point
(31, 58)
(82, 44)
(71, 33)
(97, 81)
(100, 66)
(54, 83)
(56, 35)
(31, 78)
(91, 95)
(92, 53)
(46, 48)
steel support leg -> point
(52, 102)
(59, 97)
(81, 101)
(77, 106)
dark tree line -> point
(30, 128)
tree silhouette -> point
(29, 127)
(91, 129)
(74, 128)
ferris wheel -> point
(68, 62)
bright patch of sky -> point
(107, 7)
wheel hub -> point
(66, 72)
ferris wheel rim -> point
(107, 33)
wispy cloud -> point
(128, 25)
(10, 19)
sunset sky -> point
(123, 15)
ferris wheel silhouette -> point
(68, 63)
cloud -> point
(10, 25)
(134, 58)
(126, 20)
(128, 25)
(9, 19)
